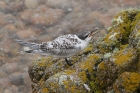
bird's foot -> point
(68, 62)
(29, 51)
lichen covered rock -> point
(134, 38)
(109, 65)
(128, 82)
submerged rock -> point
(42, 15)
(110, 65)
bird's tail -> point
(32, 46)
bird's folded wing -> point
(67, 41)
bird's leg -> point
(68, 62)
(29, 51)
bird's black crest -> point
(84, 35)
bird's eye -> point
(86, 36)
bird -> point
(63, 46)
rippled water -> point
(43, 20)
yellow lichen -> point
(89, 48)
(94, 57)
(41, 64)
(122, 25)
(66, 84)
(122, 57)
(83, 76)
(102, 65)
(73, 89)
(75, 59)
(123, 46)
(89, 63)
(69, 86)
(45, 90)
(69, 71)
(54, 85)
(131, 81)
(44, 62)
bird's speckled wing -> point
(63, 45)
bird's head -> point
(87, 36)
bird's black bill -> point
(84, 35)
(68, 62)
(96, 30)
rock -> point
(14, 89)
(42, 15)
(2, 6)
(26, 33)
(46, 17)
(9, 68)
(61, 4)
(11, 8)
(26, 14)
(16, 7)
(134, 38)
(3, 34)
(2, 74)
(6, 19)
(94, 4)
(10, 28)
(16, 79)
(109, 70)
(31, 4)
(38, 67)
(126, 3)
(8, 48)
(7, 1)
(127, 82)
(4, 82)
(105, 66)
(124, 59)
(70, 83)
(19, 24)
(26, 78)
(8, 90)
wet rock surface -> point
(43, 20)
